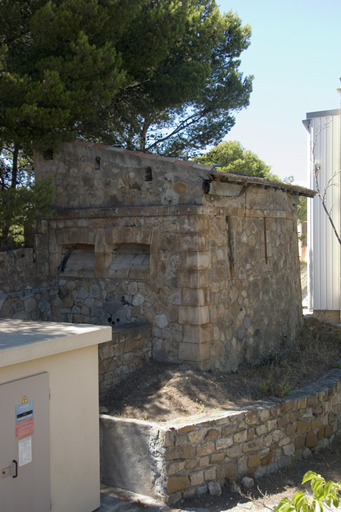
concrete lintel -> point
(225, 189)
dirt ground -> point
(164, 392)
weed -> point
(275, 384)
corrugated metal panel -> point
(324, 248)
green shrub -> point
(324, 493)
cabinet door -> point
(25, 445)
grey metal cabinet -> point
(25, 445)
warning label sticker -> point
(25, 451)
(24, 420)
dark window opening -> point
(148, 174)
(97, 163)
(48, 154)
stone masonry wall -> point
(251, 249)
(26, 297)
(214, 269)
(202, 453)
(129, 349)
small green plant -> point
(202, 408)
(274, 384)
(324, 494)
(337, 365)
(263, 388)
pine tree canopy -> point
(154, 75)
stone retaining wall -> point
(129, 349)
(210, 451)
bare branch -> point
(317, 172)
(194, 118)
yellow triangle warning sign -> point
(24, 400)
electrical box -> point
(49, 416)
(25, 445)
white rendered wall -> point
(323, 246)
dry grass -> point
(162, 392)
(317, 349)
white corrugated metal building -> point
(324, 146)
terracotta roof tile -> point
(243, 179)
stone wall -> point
(25, 296)
(129, 349)
(203, 453)
(16, 267)
(210, 260)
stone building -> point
(209, 259)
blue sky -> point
(295, 59)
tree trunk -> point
(5, 242)
(15, 166)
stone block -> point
(240, 437)
(248, 482)
(201, 489)
(205, 449)
(329, 431)
(196, 436)
(194, 352)
(311, 440)
(265, 461)
(191, 464)
(197, 478)
(253, 445)
(217, 457)
(214, 488)
(284, 441)
(234, 452)
(289, 449)
(195, 296)
(175, 467)
(177, 483)
(312, 401)
(212, 435)
(302, 427)
(283, 421)
(291, 429)
(187, 428)
(194, 315)
(191, 241)
(227, 471)
(253, 461)
(261, 429)
(204, 461)
(286, 407)
(193, 278)
(181, 440)
(224, 442)
(302, 403)
(293, 416)
(198, 333)
(198, 261)
(251, 418)
(179, 453)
